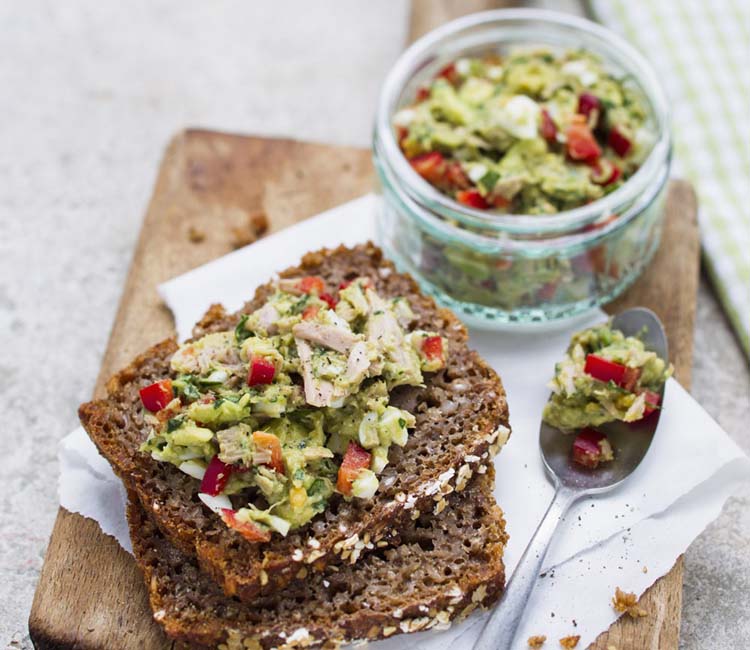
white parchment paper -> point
(692, 467)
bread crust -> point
(462, 419)
(443, 570)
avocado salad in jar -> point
(537, 133)
(531, 133)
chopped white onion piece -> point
(217, 503)
(191, 468)
(278, 524)
(495, 72)
(477, 172)
(217, 377)
(404, 117)
(521, 117)
(582, 71)
(463, 67)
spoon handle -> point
(500, 629)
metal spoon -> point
(573, 482)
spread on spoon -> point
(604, 377)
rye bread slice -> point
(443, 568)
(461, 420)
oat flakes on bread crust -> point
(462, 420)
(444, 567)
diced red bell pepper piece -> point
(503, 263)
(652, 402)
(328, 299)
(311, 284)
(157, 395)
(547, 127)
(614, 176)
(599, 178)
(604, 369)
(472, 198)
(581, 144)
(591, 448)
(597, 258)
(455, 177)
(422, 93)
(401, 134)
(450, 73)
(432, 347)
(547, 291)
(269, 446)
(250, 531)
(619, 142)
(598, 225)
(216, 477)
(587, 104)
(310, 312)
(355, 459)
(261, 371)
(630, 378)
(500, 202)
(430, 166)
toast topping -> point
(293, 405)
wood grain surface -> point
(90, 595)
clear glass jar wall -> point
(496, 269)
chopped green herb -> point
(185, 388)
(240, 333)
(488, 180)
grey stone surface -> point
(91, 93)
(717, 564)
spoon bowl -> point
(630, 442)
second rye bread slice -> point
(461, 421)
(443, 568)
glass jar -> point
(494, 269)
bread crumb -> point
(645, 569)
(256, 225)
(536, 641)
(624, 602)
(570, 641)
(196, 235)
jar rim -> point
(503, 242)
(425, 195)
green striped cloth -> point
(701, 52)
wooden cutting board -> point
(90, 594)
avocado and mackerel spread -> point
(604, 377)
(293, 405)
(534, 132)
